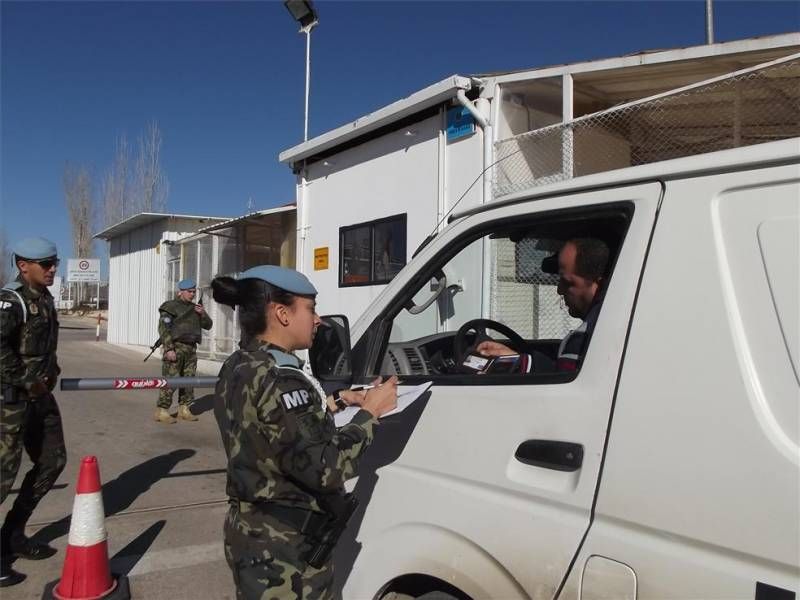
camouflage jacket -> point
(28, 336)
(177, 322)
(282, 444)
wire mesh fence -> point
(745, 108)
(525, 299)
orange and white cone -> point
(87, 571)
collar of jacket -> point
(283, 358)
(30, 291)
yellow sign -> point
(320, 258)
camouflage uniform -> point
(179, 327)
(28, 340)
(284, 456)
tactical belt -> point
(307, 522)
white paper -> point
(405, 396)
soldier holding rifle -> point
(180, 323)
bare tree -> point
(152, 186)
(6, 266)
(77, 184)
(115, 200)
(134, 184)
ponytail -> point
(252, 297)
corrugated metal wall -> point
(137, 275)
(136, 285)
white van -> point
(666, 466)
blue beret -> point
(186, 284)
(283, 278)
(35, 248)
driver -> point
(582, 265)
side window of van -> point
(511, 301)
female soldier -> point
(285, 456)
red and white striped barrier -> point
(136, 383)
(87, 571)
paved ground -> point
(163, 485)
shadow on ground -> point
(121, 492)
(123, 561)
(203, 404)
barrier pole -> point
(136, 383)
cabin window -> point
(372, 253)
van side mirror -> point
(330, 354)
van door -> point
(487, 482)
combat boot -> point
(9, 576)
(185, 414)
(162, 416)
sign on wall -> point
(320, 258)
(460, 123)
(83, 269)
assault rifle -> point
(189, 310)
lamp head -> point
(302, 11)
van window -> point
(372, 253)
(534, 311)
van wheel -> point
(397, 596)
(436, 596)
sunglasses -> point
(47, 263)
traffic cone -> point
(87, 571)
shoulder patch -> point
(11, 297)
(298, 399)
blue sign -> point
(460, 123)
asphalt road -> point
(163, 485)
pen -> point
(362, 388)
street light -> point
(303, 12)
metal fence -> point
(748, 107)
(526, 301)
(256, 239)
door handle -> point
(550, 454)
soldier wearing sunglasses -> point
(30, 416)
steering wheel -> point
(479, 326)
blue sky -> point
(224, 80)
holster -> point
(322, 530)
(341, 509)
(307, 522)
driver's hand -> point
(489, 348)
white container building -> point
(369, 192)
(151, 252)
(141, 273)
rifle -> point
(341, 509)
(159, 341)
